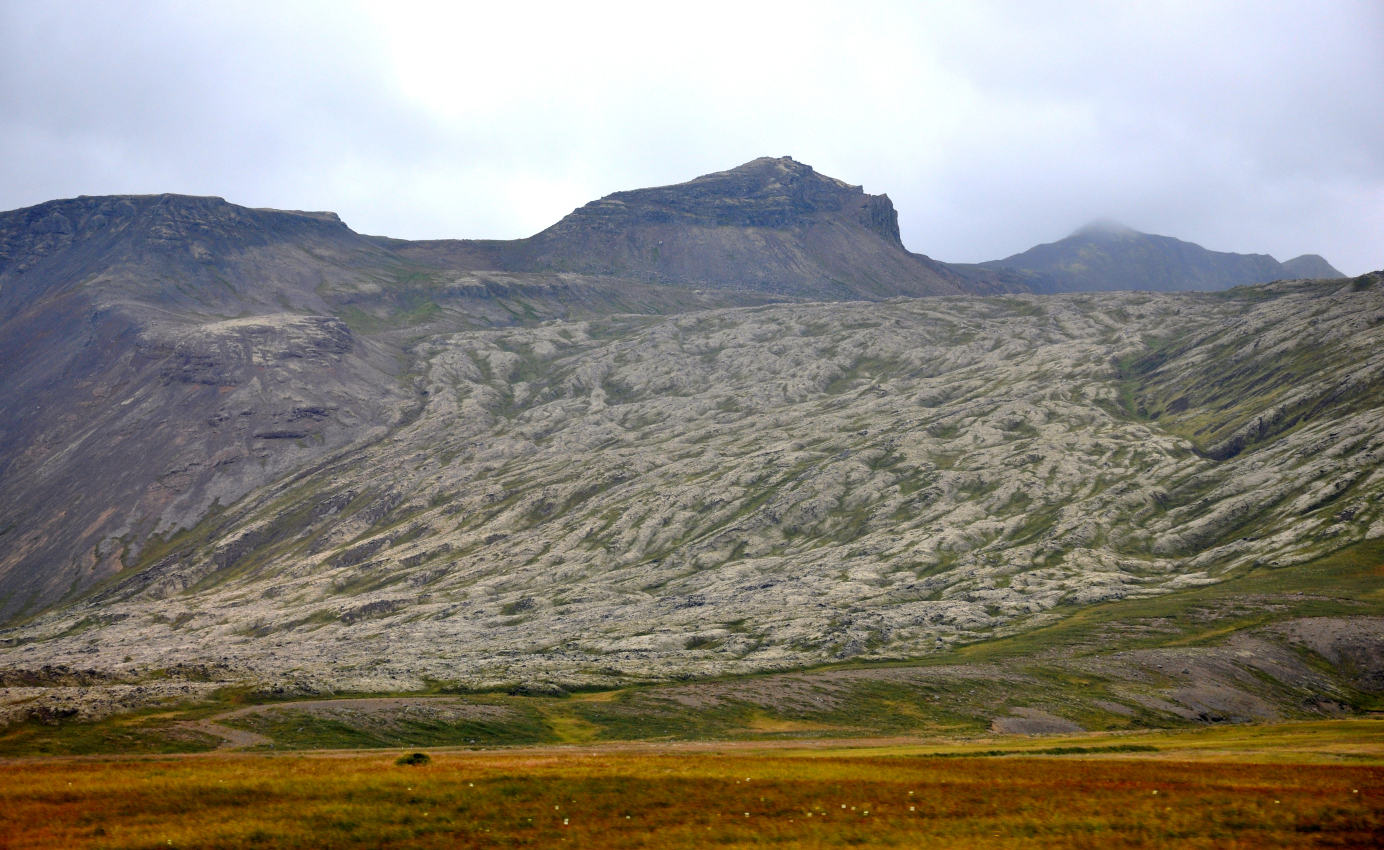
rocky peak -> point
(771, 225)
(764, 179)
(772, 192)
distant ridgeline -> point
(1105, 257)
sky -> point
(1254, 127)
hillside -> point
(628, 499)
(1106, 257)
(253, 449)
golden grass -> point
(616, 797)
(760, 722)
(596, 696)
(1357, 740)
(570, 729)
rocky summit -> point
(771, 225)
(253, 448)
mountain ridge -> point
(618, 237)
(772, 225)
(1106, 255)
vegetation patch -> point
(802, 797)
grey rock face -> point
(160, 354)
(741, 490)
(188, 416)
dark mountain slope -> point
(1106, 257)
(159, 354)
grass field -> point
(1296, 785)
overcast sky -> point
(1255, 127)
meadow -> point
(1315, 784)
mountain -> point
(165, 354)
(771, 225)
(253, 448)
(261, 341)
(1107, 256)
